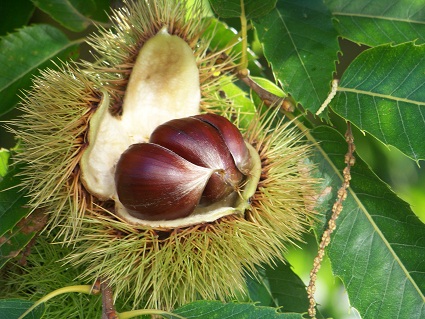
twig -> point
(108, 308)
(336, 210)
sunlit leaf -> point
(25, 51)
(301, 45)
(379, 244)
(383, 93)
(378, 22)
(75, 15)
(4, 162)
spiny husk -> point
(52, 131)
(164, 268)
(57, 110)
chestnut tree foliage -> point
(378, 247)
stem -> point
(108, 308)
(244, 28)
(85, 289)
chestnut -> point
(201, 144)
(188, 162)
(154, 183)
(232, 137)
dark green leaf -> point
(13, 308)
(219, 310)
(14, 14)
(75, 15)
(15, 231)
(279, 287)
(12, 201)
(232, 8)
(379, 22)
(383, 92)
(301, 45)
(25, 51)
(379, 244)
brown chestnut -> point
(201, 144)
(154, 183)
(232, 137)
(188, 162)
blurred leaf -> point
(14, 308)
(4, 162)
(237, 99)
(221, 37)
(379, 244)
(76, 15)
(25, 51)
(14, 14)
(383, 92)
(378, 22)
(301, 45)
(232, 8)
(217, 309)
(278, 287)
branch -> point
(108, 308)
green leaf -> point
(76, 15)
(379, 244)
(14, 14)
(232, 9)
(15, 231)
(301, 45)
(219, 310)
(4, 162)
(269, 86)
(13, 308)
(379, 22)
(278, 286)
(25, 51)
(383, 92)
(12, 201)
(221, 37)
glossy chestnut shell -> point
(188, 162)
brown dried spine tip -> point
(188, 162)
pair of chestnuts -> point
(188, 162)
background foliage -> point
(378, 248)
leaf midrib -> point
(369, 16)
(384, 96)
